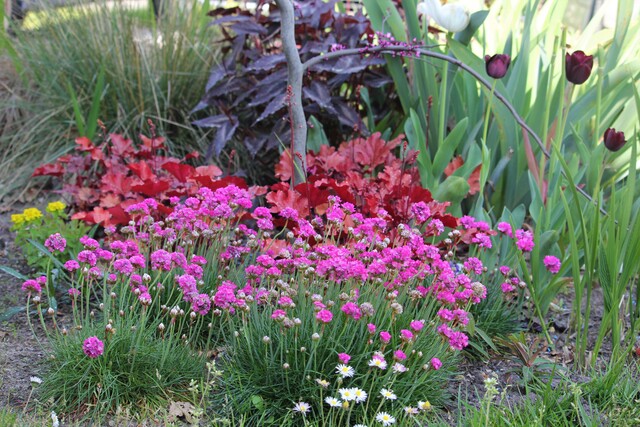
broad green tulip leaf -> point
(444, 155)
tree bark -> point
(298, 121)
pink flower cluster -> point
(93, 347)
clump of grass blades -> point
(152, 70)
(135, 372)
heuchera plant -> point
(364, 172)
(248, 90)
(103, 179)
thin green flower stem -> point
(488, 113)
(523, 266)
(33, 332)
(424, 51)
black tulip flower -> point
(578, 66)
(614, 140)
(497, 65)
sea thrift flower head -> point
(399, 355)
(201, 304)
(436, 363)
(406, 335)
(74, 293)
(552, 264)
(385, 337)
(31, 286)
(420, 212)
(371, 328)
(55, 242)
(524, 240)
(416, 325)
(93, 347)
(344, 358)
(505, 227)
(505, 270)
(279, 315)
(578, 66)
(324, 316)
(614, 140)
(497, 65)
(89, 243)
(352, 310)
(507, 287)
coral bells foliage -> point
(103, 179)
(366, 175)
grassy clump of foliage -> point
(93, 61)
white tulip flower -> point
(451, 16)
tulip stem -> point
(420, 50)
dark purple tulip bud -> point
(497, 65)
(614, 140)
(578, 66)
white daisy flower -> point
(333, 402)
(322, 383)
(378, 363)
(302, 407)
(388, 394)
(410, 410)
(385, 419)
(399, 368)
(360, 394)
(36, 380)
(425, 406)
(345, 370)
(347, 394)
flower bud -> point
(51, 311)
(161, 327)
(614, 140)
(497, 65)
(266, 339)
(315, 337)
(578, 66)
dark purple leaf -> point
(266, 63)
(274, 106)
(319, 93)
(223, 134)
(255, 144)
(216, 75)
(212, 121)
(248, 27)
(347, 115)
(267, 93)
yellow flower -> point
(31, 214)
(17, 219)
(55, 207)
